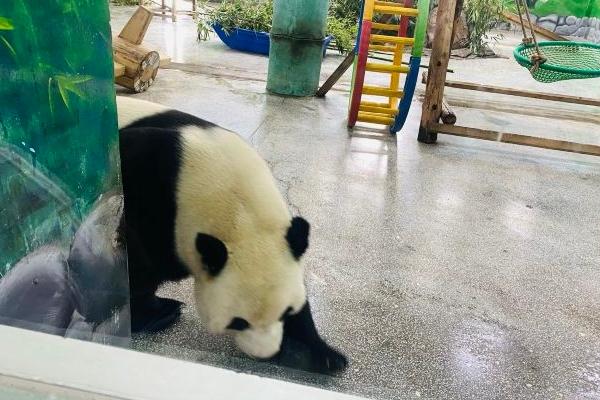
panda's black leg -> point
(150, 313)
(322, 358)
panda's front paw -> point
(327, 360)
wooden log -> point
(438, 63)
(515, 138)
(118, 69)
(141, 65)
(135, 29)
(538, 29)
(336, 75)
(448, 116)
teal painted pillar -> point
(296, 53)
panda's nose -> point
(261, 343)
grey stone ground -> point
(462, 270)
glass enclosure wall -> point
(63, 264)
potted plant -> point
(245, 24)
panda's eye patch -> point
(288, 311)
(238, 324)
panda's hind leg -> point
(150, 313)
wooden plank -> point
(336, 75)
(135, 29)
(438, 63)
(523, 93)
(514, 138)
(538, 29)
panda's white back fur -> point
(225, 189)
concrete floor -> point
(461, 270)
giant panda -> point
(201, 202)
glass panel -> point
(63, 267)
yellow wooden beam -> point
(396, 10)
(385, 27)
(379, 110)
(369, 7)
(378, 47)
(392, 39)
(372, 104)
(386, 68)
(374, 119)
(381, 91)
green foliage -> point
(510, 6)
(481, 17)
(345, 9)
(257, 15)
(342, 23)
(344, 31)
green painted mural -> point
(58, 130)
(577, 8)
(578, 19)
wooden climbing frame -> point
(448, 13)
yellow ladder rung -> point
(392, 39)
(373, 104)
(387, 68)
(386, 3)
(378, 110)
(381, 91)
(378, 47)
(396, 10)
(375, 119)
(385, 27)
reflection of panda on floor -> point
(200, 201)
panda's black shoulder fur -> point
(170, 119)
(150, 164)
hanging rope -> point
(538, 58)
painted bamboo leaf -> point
(6, 24)
(9, 47)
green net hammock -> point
(564, 60)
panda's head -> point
(252, 283)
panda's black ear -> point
(213, 252)
(297, 236)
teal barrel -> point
(296, 50)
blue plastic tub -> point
(251, 41)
